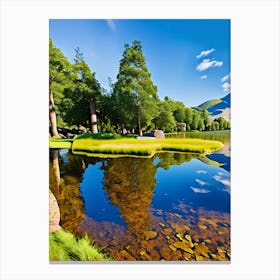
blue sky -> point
(189, 60)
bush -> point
(98, 136)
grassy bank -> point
(145, 147)
(64, 246)
(59, 143)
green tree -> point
(195, 120)
(86, 94)
(188, 117)
(179, 112)
(201, 125)
(165, 120)
(206, 120)
(134, 92)
(60, 79)
(222, 122)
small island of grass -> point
(86, 144)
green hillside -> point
(208, 104)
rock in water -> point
(183, 246)
(150, 234)
(201, 249)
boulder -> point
(158, 134)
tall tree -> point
(134, 90)
(87, 91)
(60, 71)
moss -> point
(64, 246)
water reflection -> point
(173, 206)
(67, 189)
(129, 184)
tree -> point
(87, 92)
(60, 71)
(188, 117)
(201, 125)
(179, 112)
(195, 120)
(134, 92)
(206, 120)
(165, 120)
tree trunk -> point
(55, 154)
(54, 131)
(93, 117)
(139, 123)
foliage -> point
(129, 106)
(165, 120)
(135, 95)
(64, 246)
(61, 79)
(98, 136)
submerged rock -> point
(150, 234)
(201, 249)
(188, 237)
(124, 255)
(183, 246)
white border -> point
(255, 137)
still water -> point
(174, 206)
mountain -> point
(216, 108)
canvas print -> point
(139, 140)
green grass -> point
(60, 143)
(64, 246)
(136, 147)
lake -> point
(174, 206)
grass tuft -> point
(64, 246)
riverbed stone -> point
(202, 226)
(149, 234)
(201, 249)
(178, 235)
(183, 246)
(188, 237)
(124, 255)
(173, 248)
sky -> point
(189, 60)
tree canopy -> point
(130, 105)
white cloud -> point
(111, 24)
(222, 180)
(202, 183)
(201, 171)
(203, 77)
(205, 53)
(198, 190)
(207, 63)
(226, 87)
(225, 78)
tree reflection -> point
(66, 188)
(129, 183)
(167, 159)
